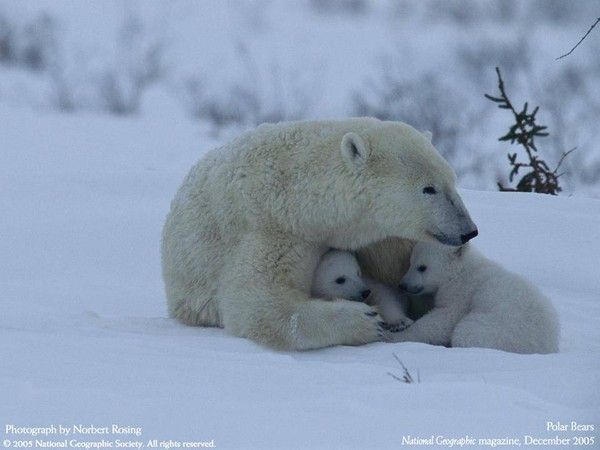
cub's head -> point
(338, 276)
(431, 264)
(411, 188)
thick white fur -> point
(338, 276)
(478, 303)
(252, 219)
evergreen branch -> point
(540, 178)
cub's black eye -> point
(429, 190)
(422, 268)
(340, 280)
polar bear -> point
(477, 303)
(252, 218)
(338, 276)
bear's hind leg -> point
(484, 330)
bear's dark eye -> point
(422, 268)
(340, 280)
(429, 190)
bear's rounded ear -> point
(354, 149)
(428, 135)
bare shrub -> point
(426, 103)
(256, 96)
(505, 10)
(339, 6)
(7, 42)
(514, 55)
(117, 87)
(39, 43)
(40, 50)
(139, 63)
(560, 11)
(458, 11)
(571, 103)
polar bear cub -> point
(338, 276)
(477, 303)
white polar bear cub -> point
(338, 276)
(477, 303)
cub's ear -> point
(428, 135)
(354, 149)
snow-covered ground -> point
(84, 337)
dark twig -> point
(406, 376)
(564, 155)
(580, 40)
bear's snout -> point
(467, 237)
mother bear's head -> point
(408, 189)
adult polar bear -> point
(252, 219)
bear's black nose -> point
(365, 293)
(402, 286)
(467, 237)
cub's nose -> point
(402, 286)
(467, 237)
(365, 293)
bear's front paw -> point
(407, 322)
(399, 334)
(396, 327)
(359, 322)
(403, 324)
(376, 320)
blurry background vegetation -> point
(230, 65)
